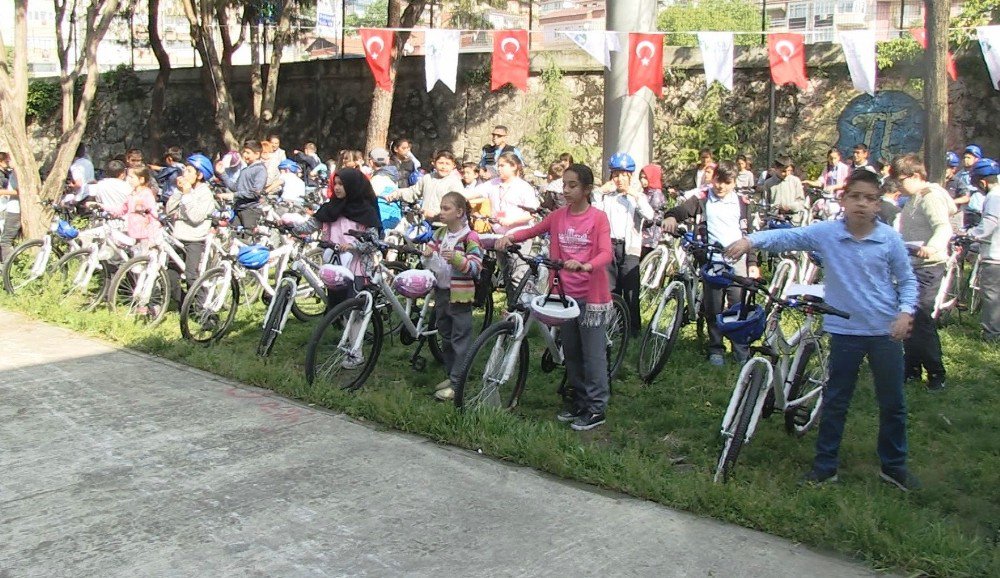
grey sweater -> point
(190, 211)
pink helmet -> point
(336, 276)
(551, 311)
(291, 219)
(414, 283)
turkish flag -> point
(787, 55)
(645, 62)
(920, 35)
(510, 59)
(378, 53)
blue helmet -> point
(203, 164)
(622, 162)
(712, 273)
(984, 168)
(952, 159)
(66, 230)
(253, 256)
(289, 165)
(420, 233)
(745, 331)
(974, 150)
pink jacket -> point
(141, 214)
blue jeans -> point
(885, 358)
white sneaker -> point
(443, 385)
(446, 394)
(353, 362)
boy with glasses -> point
(498, 146)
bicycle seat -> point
(812, 293)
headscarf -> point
(654, 174)
(359, 205)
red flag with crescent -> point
(510, 59)
(378, 53)
(645, 62)
(920, 35)
(787, 55)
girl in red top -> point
(581, 238)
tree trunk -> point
(378, 119)
(256, 84)
(13, 103)
(157, 106)
(68, 70)
(200, 16)
(936, 88)
(282, 36)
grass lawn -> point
(662, 441)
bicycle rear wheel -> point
(71, 270)
(750, 386)
(17, 268)
(809, 380)
(661, 333)
(308, 304)
(129, 285)
(617, 335)
(209, 307)
(272, 325)
(338, 353)
(482, 382)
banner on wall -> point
(597, 43)
(329, 21)
(378, 53)
(717, 52)
(441, 57)
(787, 56)
(859, 51)
(645, 62)
(989, 41)
(510, 59)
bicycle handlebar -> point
(808, 303)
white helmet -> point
(550, 309)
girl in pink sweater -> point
(141, 211)
(581, 238)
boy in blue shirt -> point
(866, 273)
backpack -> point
(166, 181)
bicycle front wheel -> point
(210, 306)
(138, 292)
(72, 271)
(272, 325)
(617, 335)
(493, 373)
(344, 349)
(21, 270)
(750, 387)
(661, 333)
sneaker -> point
(903, 480)
(446, 394)
(816, 478)
(935, 382)
(353, 362)
(716, 359)
(569, 415)
(446, 384)
(587, 421)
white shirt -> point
(294, 189)
(506, 200)
(626, 214)
(10, 204)
(111, 194)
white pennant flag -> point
(989, 41)
(717, 52)
(328, 19)
(441, 57)
(597, 43)
(859, 51)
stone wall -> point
(328, 101)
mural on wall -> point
(890, 123)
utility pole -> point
(628, 120)
(936, 88)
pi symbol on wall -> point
(891, 123)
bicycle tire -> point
(742, 416)
(121, 292)
(272, 325)
(194, 313)
(21, 260)
(325, 354)
(308, 305)
(658, 340)
(618, 331)
(952, 293)
(94, 292)
(810, 370)
(390, 321)
(480, 366)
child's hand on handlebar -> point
(502, 243)
(574, 265)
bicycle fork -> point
(732, 412)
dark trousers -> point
(989, 287)
(454, 325)
(623, 276)
(11, 227)
(193, 251)
(248, 218)
(585, 348)
(715, 300)
(923, 347)
(886, 362)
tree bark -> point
(67, 73)
(157, 105)
(200, 17)
(378, 120)
(13, 104)
(936, 88)
(282, 36)
(256, 84)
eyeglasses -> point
(496, 134)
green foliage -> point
(551, 113)
(124, 83)
(44, 99)
(480, 75)
(974, 13)
(707, 15)
(700, 127)
(472, 14)
(376, 15)
(897, 51)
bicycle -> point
(501, 350)
(28, 264)
(346, 344)
(87, 271)
(786, 374)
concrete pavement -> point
(114, 463)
